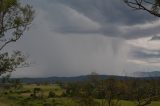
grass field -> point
(21, 97)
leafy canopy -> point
(15, 18)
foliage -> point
(9, 63)
(14, 20)
(120, 92)
(51, 94)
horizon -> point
(132, 75)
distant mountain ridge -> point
(146, 74)
(143, 75)
(65, 79)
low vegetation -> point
(92, 92)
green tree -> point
(9, 63)
(14, 20)
(6, 79)
(37, 93)
(151, 6)
(113, 92)
(143, 92)
(72, 89)
(16, 83)
(51, 94)
(110, 91)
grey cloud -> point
(146, 55)
(75, 37)
(104, 11)
(96, 17)
(155, 38)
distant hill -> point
(146, 74)
(141, 75)
(65, 79)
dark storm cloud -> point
(107, 11)
(105, 17)
(145, 55)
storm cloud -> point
(107, 17)
(77, 37)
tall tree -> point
(151, 6)
(15, 18)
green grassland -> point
(22, 97)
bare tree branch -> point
(152, 7)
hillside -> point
(146, 74)
(65, 79)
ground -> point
(19, 97)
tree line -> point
(112, 90)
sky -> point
(77, 37)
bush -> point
(10, 91)
(5, 93)
(64, 94)
(51, 94)
(47, 104)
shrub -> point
(51, 94)
(5, 93)
(47, 104)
